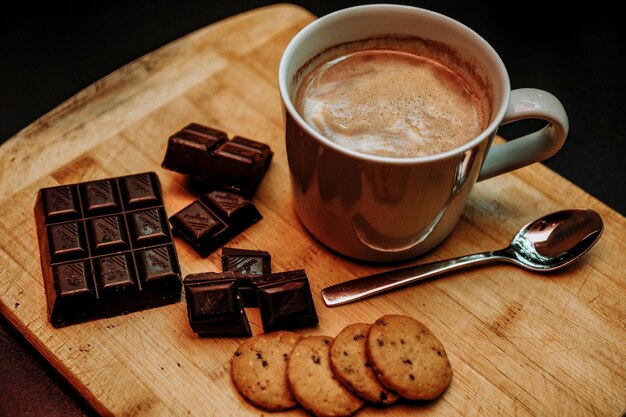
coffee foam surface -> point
(390, 103)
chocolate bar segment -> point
(214, 306)
(106, 248)
(188, 150)
(248, 263)
(59, 203)
(211, 221)
(148, 227)
(141, 190)
(74, 279)
(157, 265)
(108, 234)
(285, 301)
(206, 154)
(67, 241)
(100, 197)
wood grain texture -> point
(520, 343)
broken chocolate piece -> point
(285, 300)
(214, 305)
(206, 154)
(213, 220)
(248, 263)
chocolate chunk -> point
(100, 197)
(141, 190)
(248, 263)
(207, 155)
(105, 248)
(213, 220)
(108, 234)
(214, 305)
(67, 241)
(285, 300)
(59, 204)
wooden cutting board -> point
(520, 343)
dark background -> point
(50, 52)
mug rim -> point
(283, 83)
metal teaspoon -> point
(546, 244)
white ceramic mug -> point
(379, 208)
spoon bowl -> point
(556, 240)
(546, 244)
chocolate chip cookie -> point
(259, 370)
(312, 381)
(351, 366)
(408, 358)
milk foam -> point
(390, 103)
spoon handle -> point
(356, 289)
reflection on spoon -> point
(546, 244)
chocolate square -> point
(248, 263)
(188, 149)
(148, 227)
(214, 306)
(285, 301)
(213, 220)
(157, 264)
(67, 241)
(74, 279)
(108, 234)
(115, 273)
(76, 294)
(59, 203)
(141, 190)
(100, 197)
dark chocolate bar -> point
(285, 300)
(214, 305)
(206, 154)
(106, 248)
(248, 263)
(214, 219)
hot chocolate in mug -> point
(390, 113)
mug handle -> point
(528, 103)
